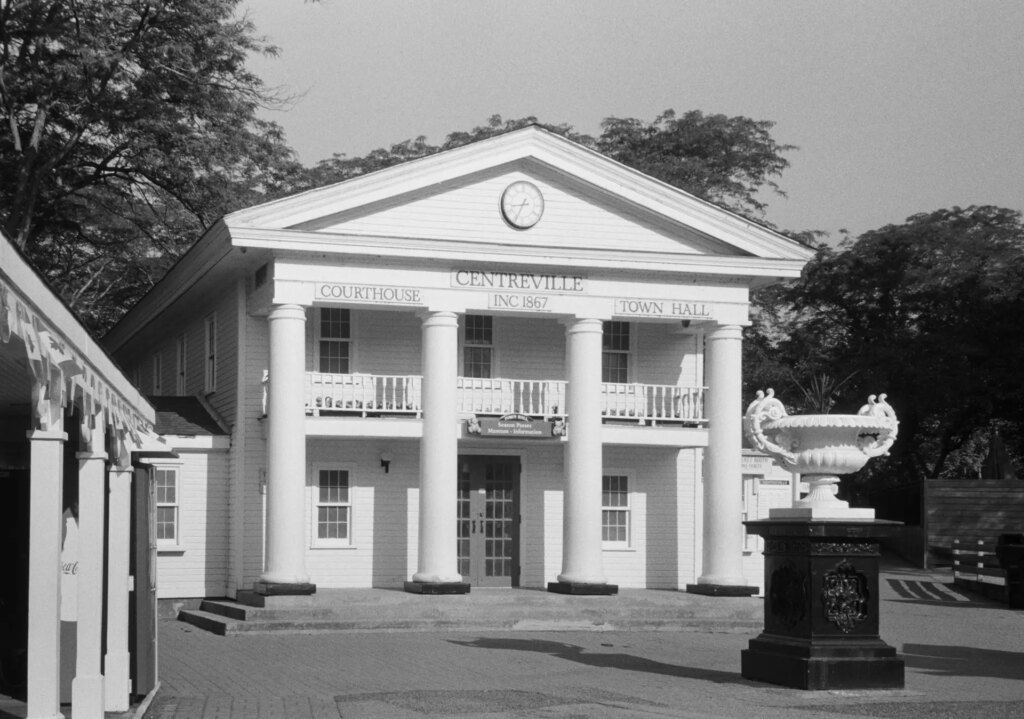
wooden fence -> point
(971, 510)
(976, 567)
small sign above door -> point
(518, 426)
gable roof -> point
(530, 145)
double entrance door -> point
(488, 520)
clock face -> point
(522, 204)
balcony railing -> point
(363, 393)
(376, 395)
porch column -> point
(581, 508)
(285, 571)
(437, 570)
(87, 686)
(116, 662)
(722, 572)
(45, 497)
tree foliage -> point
(929, 312)
(725, 160)
(128, 127)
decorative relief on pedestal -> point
(788, 595)
(859, 548)
(787, 546)
(845, 597)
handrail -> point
(368, 394)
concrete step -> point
(382, 610)
(247, 612)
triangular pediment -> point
(590, 202)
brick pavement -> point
(965, 658)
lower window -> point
(615, 511)
(333, 507)
(165, 483)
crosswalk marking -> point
(932, 591)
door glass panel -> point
(487, 517)
(464, 527)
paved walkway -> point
(964, 654)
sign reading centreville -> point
(521, 281)
(511, 425)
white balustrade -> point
(652, 403)
(367, 394)
(363, 393)
(542, 398)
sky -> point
(897, 106)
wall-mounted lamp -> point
(385, 461)
(685, 324)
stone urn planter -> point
(821, 556)
(820, 447)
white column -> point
(723, 502)
(581, 511)
(286, 448)
(87, 686)
(46, 497)
(437, 558)
(117, 659)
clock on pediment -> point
(522, 204)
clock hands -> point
(519, 209)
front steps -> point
(365, 610)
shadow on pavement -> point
(629, 662)
(948, 660)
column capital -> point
(724, 332)
(583, 324)
(91, 455)
(42, 435)
(288, 311)
(439, 318)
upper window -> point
(210, 373)
(333, 508)
(615, 511)
(478, 346)
(615, 355)
(165, 482)
(158, 375)
(334, 345)
(179, 378)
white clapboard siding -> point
(571, 220)
(255, 449)
(376, 553)
(198, 566)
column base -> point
(277, 589)
(865, 664)
(583, 588)
(414, 587)
(87, 695)
(117, 683)
(722, 590)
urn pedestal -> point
(821, 628)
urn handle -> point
(877, 445)
(765, 408)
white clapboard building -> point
(516, 363)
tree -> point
(927, 311)
(725, 160)
(129, 126)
